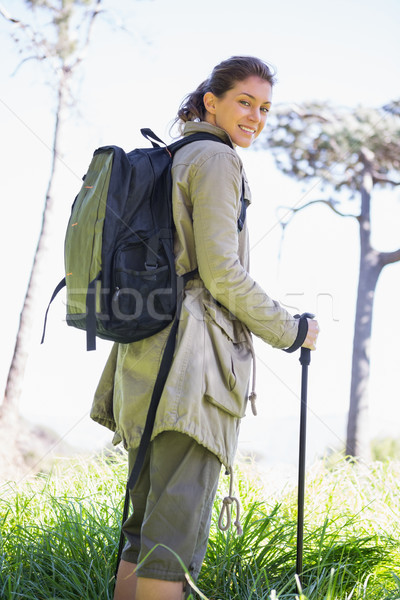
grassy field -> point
(59, 535)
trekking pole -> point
(305, 359)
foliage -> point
(60, 534)
(332, 143)
(385, 449)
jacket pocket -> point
(227, 362)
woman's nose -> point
(255, 115)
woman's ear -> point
(209, 102)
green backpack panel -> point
(83, 251)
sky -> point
(145, 56)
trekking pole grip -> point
(305, 353)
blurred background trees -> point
(347, 152)
(58, 36)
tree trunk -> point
(9, 407)
(358, 439)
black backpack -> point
(119, 261)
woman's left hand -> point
(313, 330)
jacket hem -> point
(109, 423)
(224, 460)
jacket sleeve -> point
(215, 190)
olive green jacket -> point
(205, 395)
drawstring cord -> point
(253, 395)
(226, 509)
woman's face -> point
(242, 111)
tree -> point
(351, 151)
(60, 44)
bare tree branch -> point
(41, 46)
(24, 61)
(388, 258)
(4, 13)
(38, 42)
(81, 55)
(379, 178)
(330, 203)
(308, 115)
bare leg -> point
(125, 588)
(157, 589)
(131, 587)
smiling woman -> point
(242, 111)
(205, 396)
(244, 80)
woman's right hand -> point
(311, 339)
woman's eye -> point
(244, 102)
(265, 110)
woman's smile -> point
(242, 111)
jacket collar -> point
(204, 127)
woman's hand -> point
(312, 334)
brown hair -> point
(222, 79)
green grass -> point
(59, 533)
(351, 540)
(59, 536)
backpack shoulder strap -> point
(57, 289)
(242, 216)
(208, 136)
(196, 137)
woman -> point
(204, 398)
